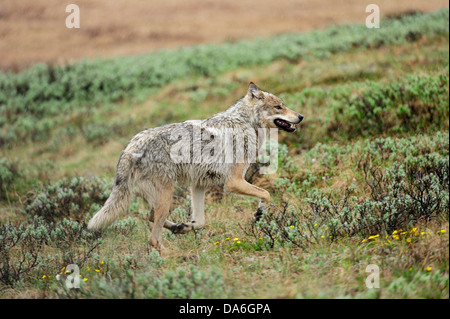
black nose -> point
(300, 117)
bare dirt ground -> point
(34, 30)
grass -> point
(376, 196)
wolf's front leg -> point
(198, 210)
(259, 212)
(238, 185)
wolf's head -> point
(270, 110)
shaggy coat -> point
(198, 154)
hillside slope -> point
(364, 182)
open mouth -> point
(285, 125)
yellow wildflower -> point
(442, 231)
(216, 243)
(375, 236)
(428, 269)
(85, 279)
(364, 240)
(315, 225)
(97, 270)
(43, 277)
(292, 226)
(238, 242)
(236, 239)
(228, 238)
(408, 240)
(413, 230)
(395, 232)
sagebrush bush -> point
(282, 225)
(20, 251)
(403, 194)
(415, 190)
(69, 197)
(191, 283)
(9, 174)
(24, 248)
(125, 226)
(417, 104)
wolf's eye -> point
(278, 107)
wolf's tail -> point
(118, 201)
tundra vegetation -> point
(365, 180)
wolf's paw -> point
(258, 215)
(180, 228)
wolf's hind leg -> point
(167, 224)
(162, 206)
(198, 210)
(147, 190)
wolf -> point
(196, 154)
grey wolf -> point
(157, 159)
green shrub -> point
(404, 194)
(193, 284)
(9, 174)
(412, 191)
(418, 104)
(20, 250)
(137, 284)
(282, 226)
(69, 197)
(24, 248)
(383, 150)
(97, 133)
(125, 226)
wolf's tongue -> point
(283, 123)
(288, 125)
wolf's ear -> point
(254, 92)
